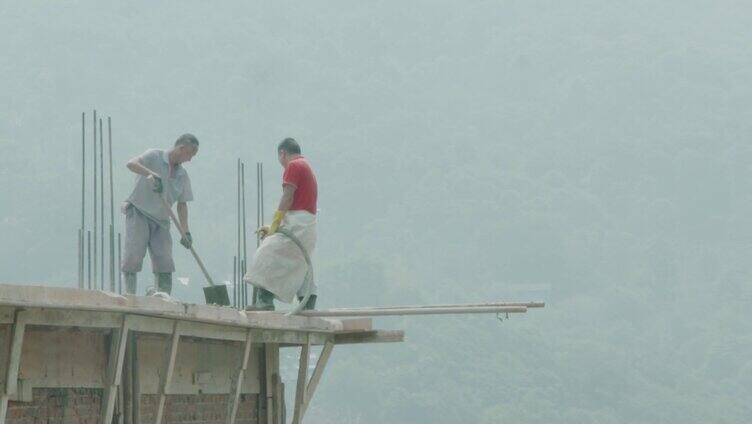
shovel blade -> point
(217, 295)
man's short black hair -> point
(186, 139)
(290, 146)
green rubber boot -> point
(311, 304)
(265, 301)
(164, 282)
(131, 283)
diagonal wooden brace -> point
(300, 392)
(14, 362)
(114, 370)
(317, 373)
(164, 387)
(237, 383)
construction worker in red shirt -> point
(279, 267)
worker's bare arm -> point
(288, 191)
(135, 166)
(183, 216)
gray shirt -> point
(177, 186)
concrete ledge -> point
(58, 298)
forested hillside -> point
(592, 154)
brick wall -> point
(57, 406)
(82, 406)
(198, 409)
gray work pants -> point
(142, 233)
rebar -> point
(88, 255)
(235, 296)
(261, 173)
(94, 173)
(245, 245)
(258, 203)
(112, 211)
(370, 312)
(83, 203)
(254, 293)
(80, 257)
(101, 201)
(448, 306)
(120, 264)
(237, 233)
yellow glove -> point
(266, 231)
(276, 221)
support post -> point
(14, 362)
(317, 373)
(164, 387)
(237, 383)
(271, 352)
(300, 391)
(114, 370)
(135, 383)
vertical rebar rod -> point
(80, 257)
(261, 211)
(88, 255)
(243, 284)
(258, 202)
(261, 172)
(120, 264)
(238, 251)
(112, 211)
(101, 201)
(94, 173)
(245, 245)
(235, 296)
(83, 202)
(254, 293)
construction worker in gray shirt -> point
(147, 226)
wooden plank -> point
(135, 381)
(168, 370)
(271, 351)
(375, 336)
(213, 331)
(279, 399)
(114, 370)
(300, 391)
(14, 362)
(71, 318)
(286, 337)
(317, 373)
(357, 324)
(237, 383)
(3, 407)
(146, 324)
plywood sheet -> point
(63, 358)
(202, 366)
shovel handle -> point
(182, 234)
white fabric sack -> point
(279, 266)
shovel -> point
(214, 294)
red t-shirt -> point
(298, 173)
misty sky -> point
(592, 154)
